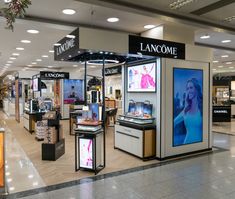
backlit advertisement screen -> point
(187, 106)
(142, 78)
(35, 84)
(73, 90)
(86, 160)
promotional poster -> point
(73, 91)
(86, 153)
(94, 108)
(142, 78)
(187, 106)
(35, 84)
(2, 183)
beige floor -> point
(224, 127)
(62, 170)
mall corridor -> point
(205, 176)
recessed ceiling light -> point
(38, 60)
(25, 41)
(101, 52)
(93, 66)
(7, 1)
(9, 180)
(226, 41)
(57, 44)
(75, 65)
(9, 62)
(34, 63)
(231, 67)
(215, 61)
(50, 66)
(224, 56)
(220, 66)
(69, 11)
(15, 54)
(149, 26)
(229, 62)
(12, 58)
(214, 69)
(29, 65)
(205, 37)
(45, 56)
(70, 36)
(51, 51)
(113, 19)
(33, 31)
(70, 56)
(19, 48)
(12, 188)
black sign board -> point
(113, 70)
(53, 75)
(155, 47)
(67, 47)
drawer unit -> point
(140, 143)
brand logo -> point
(55, 75)
(66, 46)
(158, 49)
(220, 111)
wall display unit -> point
(73, 91)
(187, 106)
(142, 78)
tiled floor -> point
(203, 177)
(210, 176)
(224, 127)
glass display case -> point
(135, 119)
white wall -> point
(114, 81)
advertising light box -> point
(86, 159)
(142, 78)
(187, 106)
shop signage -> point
(113, 70)
(67, 47)
(53, 75)
(155, 47)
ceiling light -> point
(19, 48)
(25, 41)
(205, 37)
(214, 69)
(8, 173)
(113, 19)
(179, 4)
(33, 31)
(35, 184)
(38, 60)
(70, 56)
(50, 66)
(226, 41)
(51, 51)
(12, 188)
(224, 56)
(231, 67)
(70, 36)
(215, 61)
(34, 63)
(45, 56)
(220, 66)
(7, 1)
(229, 62)
(15, 54)
(9, 62)
(69, 11)
(75, 65)
(149, 26)
(30, 176)
(93, 66)
(229, 19)
(9, 180)
(29, 65)
(12, 58)
(57, 44)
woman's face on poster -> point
(191, 91)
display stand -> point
(136, 136)
(89, 154)
(55, 147)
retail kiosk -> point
(179, 91)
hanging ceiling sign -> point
(155, 47)
(113, 70)
(65, 49)
(53, 75)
